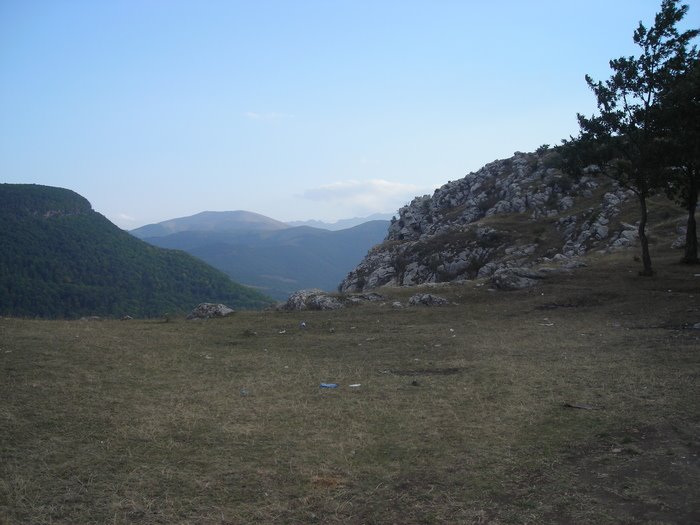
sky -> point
(295, 109)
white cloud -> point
(368, 196)
(125, 217)
(124, 221)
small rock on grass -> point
(427, 299)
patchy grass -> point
(465, 413)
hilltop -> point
(211, 221)
(60, 258)
(514, 214)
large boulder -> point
(516, 278)
(311, 299)
(209, 310)
(427, 299)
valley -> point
(269, 256)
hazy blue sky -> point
(294, 109)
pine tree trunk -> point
(691, 236)
(646, 258)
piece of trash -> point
(303, 324)
(582, 406)
(355, 385)
(244, 392)
(329, 385)
(282, 331)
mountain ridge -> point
(342, 224)
(214, 221)
(243, 220)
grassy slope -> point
(459, 419)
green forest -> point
(61, 259)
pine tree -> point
(628, 130)
(680, 109)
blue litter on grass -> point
(329, 385)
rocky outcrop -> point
(209, 310)
(513, 213)
(311, 299)
(315, 299)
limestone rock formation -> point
(315, 299)
(311, 299)
(514, 213)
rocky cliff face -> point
(512, 213)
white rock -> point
(209, 310)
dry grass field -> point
(574, 402)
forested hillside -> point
(59, 258)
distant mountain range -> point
(272, 256)
(61, 259)
(342, 224)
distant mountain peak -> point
(342, 224)
(211, 221)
